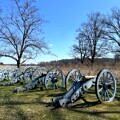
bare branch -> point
(19, 31)
(90, 36)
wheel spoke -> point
(108, 95)
(102, 94)
(100, 89)
(75, 76)
(101, 80)
(112, 88)
(105, 96)
(110, 82)
(110, 92)
(104, 77)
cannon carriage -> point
(51, 79)
(14, 75)
(33, 76)
(77, 84)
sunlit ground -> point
(37, 105)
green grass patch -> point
(36, 105)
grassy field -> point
(36, 104)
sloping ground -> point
(36, 105)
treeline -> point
(75, 62)
(71, 62)
(98, 36)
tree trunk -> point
(18, 63)
(82, 59)
(83, 56)
(93, 58)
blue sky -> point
(64, 17)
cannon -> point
(14, 75)
(4, 74)
(51, 79)
(7, 74)
(24, 74)
(77, 84)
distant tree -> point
(1, 63)
(80, 49)
(20, 32)
(117, 57)
(90, 38)
(112, 22)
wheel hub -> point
(54, 80)
(105, 86)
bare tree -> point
(80, 48)
(20, 32)
(93, 32)
(113, 29)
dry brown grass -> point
(7, 66)
(86, 69)
(93, 69)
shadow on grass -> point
(118, 92)
(118, 97)
(18, 113)
(16, 103)
(86, 103)
(97, 114)
(56, 94)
